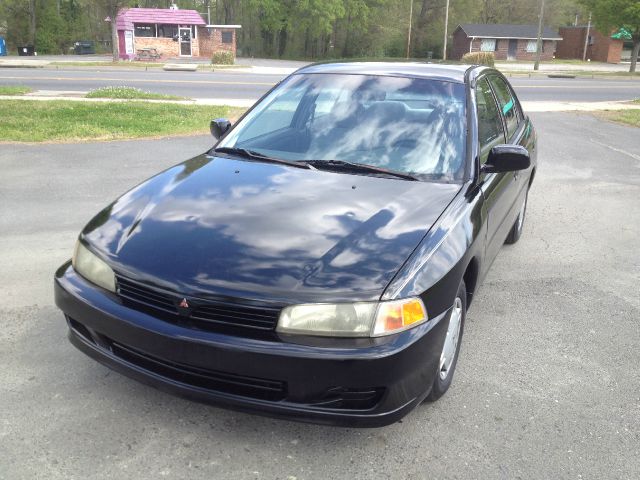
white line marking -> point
(619, 150)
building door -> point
(513, 49)
(185, 42)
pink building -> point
(170, 33)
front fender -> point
(436, 267)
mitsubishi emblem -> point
(184, 303)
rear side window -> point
(490, 129)
(508, 105)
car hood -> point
(216, 226)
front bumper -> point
(349, 382)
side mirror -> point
(219, 127)
(506, 158)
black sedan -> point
(319, 261)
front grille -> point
(212, 380)
(236, 315)
(138, 294)
(202, 314)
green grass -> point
(129, 93)
(60, 120)
(135, 65)
(627, 117)
(567, 61)
(14, 90)
(108, 64)
(572, 61)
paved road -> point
(188, 84)
(243, 85)
(546, 386)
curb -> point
(530, 106)
(595, 75)
(180, 67)
(549, 106)
(79, 97)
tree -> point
(112, 7)
(285, 28)
(15, 19)
(611, 15)
(32, 22)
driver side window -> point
(490, 127)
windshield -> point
(409, 125)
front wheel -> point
(451, 347)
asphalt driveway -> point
(548, 383)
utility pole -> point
(409, 32)
(586, 39)
(536, 66)
(446, 27)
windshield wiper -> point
(253, 155)
(360, 167)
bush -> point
(479, 58)
(222, 57)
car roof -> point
(435, 71)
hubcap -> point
(451, 342)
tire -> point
(446, 369)
(516, 230)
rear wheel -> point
(451, 347)
(516, 230)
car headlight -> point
(362, 319)
(93, 268)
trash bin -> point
(429, 55)
(3, 47)
(26, 51)
(84, 48)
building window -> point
(167, 31)
(227, 36)
(145, 30)
(591, 40)
(488, 45)
(532, 46)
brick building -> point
(171, 33)
(214, 38)
(600, 48)
(507, 42)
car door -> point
(517, 134)
(497, 188)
